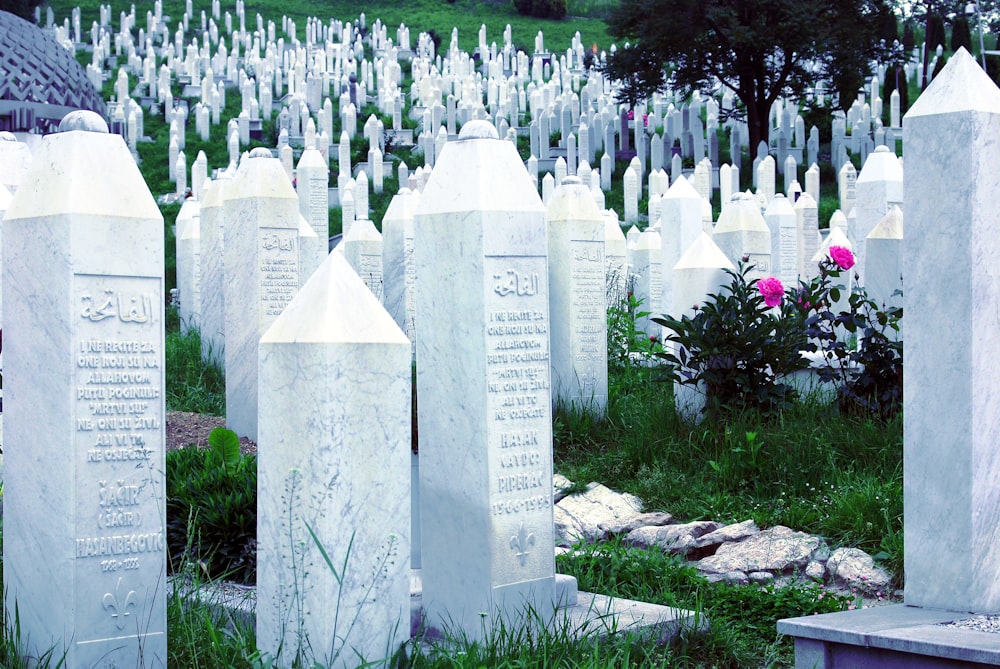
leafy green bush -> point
(737, 349)
(212, 509)
(867, 372)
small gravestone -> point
(188, 254)
(783, 224)
(681, 225)
(312, 188)
(879, 185)
(741, 231)
(84, 511)
(333, 366)
(884, 259)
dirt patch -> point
(185, 428)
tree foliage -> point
(23, 8)
(541, 9)
(760, 49)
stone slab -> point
(903, 630)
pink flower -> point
(842, 256)
(771, 290)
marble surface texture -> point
(334, 457)
(951, 385)
(577, 298)
(84, 551)
(483, 369)
(261, 275)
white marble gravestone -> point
(188, 254)
(884, 259)
(312, 180)
(213, 284)
(362, 248)
(741, 231)
(783, 224)
(262, 274)
(879, 185)
(84, 511)
(578, 300)
(398, 271)
(335, 385)
(483, 384)
(951, 497)
(680, 225)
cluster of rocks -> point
(738, 553)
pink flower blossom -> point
(771, 290)
(842, 256)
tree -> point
(23, 8)
(760, 49)
(960, 34)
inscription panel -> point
(587, 314)
(519, 417)
(279, 271)
(119, 548)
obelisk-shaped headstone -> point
(485, 420)
(578, 298)
(952, 417)
(262, 274)
(84, 508)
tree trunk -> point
(758, 124)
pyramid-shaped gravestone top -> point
(84, 513)
(951, 498)
(334, 458)
(482, 322)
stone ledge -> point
(889, 636)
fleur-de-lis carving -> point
(119, 609)
(521, 543)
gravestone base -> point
(588, 615)
(890, 637)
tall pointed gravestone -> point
(578, 298)
(84, 561)
(485, 424)
(952, 418)
(334, 463)
(262, 274)
(951, 469)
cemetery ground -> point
(809, 467)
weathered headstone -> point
(188, 255)
(486, 437)
(577, 298)
(262, 274)
(879, 185)
(84, 514)
(332, 366)
(398, 270)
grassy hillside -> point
(420, 15)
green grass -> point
(191, 384)
(418, 15)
